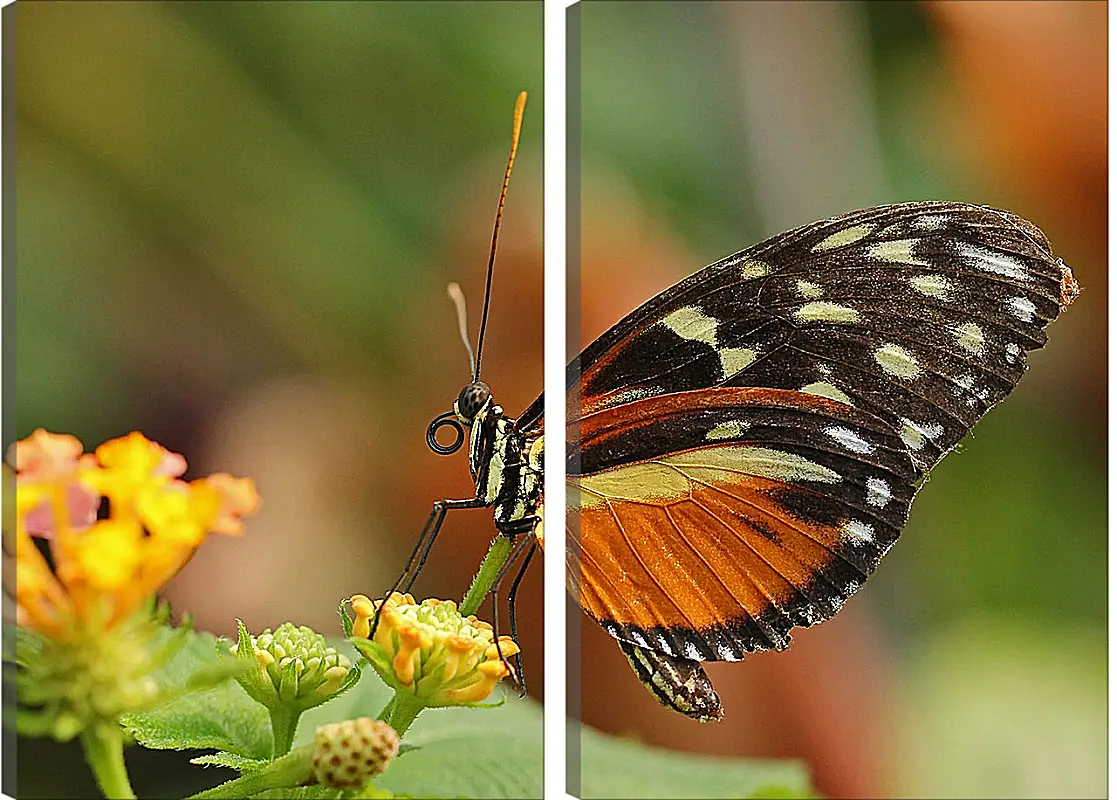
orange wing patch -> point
(720, 547)
(718, 554)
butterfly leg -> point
(422, 548)
(512, 592)
(526, 545)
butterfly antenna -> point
(517, 119)
(456, 295)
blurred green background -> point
(235, 225)
(974, 662)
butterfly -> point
(744, 448)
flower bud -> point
(294, 665)
(347, 754)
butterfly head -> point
(474, 401)
(471, 400)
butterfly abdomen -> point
(676, 683)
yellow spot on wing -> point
(936, 286)
(897, 361)
(727, 430)
(669, 478)
(808, 290)
(754, 269)
(843, 237)
(824, 389)
(822, 311)
(898, 251)
(971, 338)
(690, 323)
(911, 436)
(735, 359)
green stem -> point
(387, 712)
(293, 769)
(284, 721)
(401, 711)
(104, 750)
(498, 554)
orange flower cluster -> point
(105, 569)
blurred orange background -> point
(974, 662)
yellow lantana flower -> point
(429, 651)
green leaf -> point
(222, 718)
(613, 767)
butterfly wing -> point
(919, 313)
(743, 448)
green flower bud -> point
(294, 666)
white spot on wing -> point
(690, 650)
(971, 338)
(858, 531)
(964, 385)
(726, 652)
(849, 440)
(639, 638)
(929, 222)
(879, 492)
(997, 263)
(1012, 352)
(1022, 308)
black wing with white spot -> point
(919, 313)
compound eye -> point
(472, 399)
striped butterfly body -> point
(743, 449)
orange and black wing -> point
(742, 449)
(710, 523)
